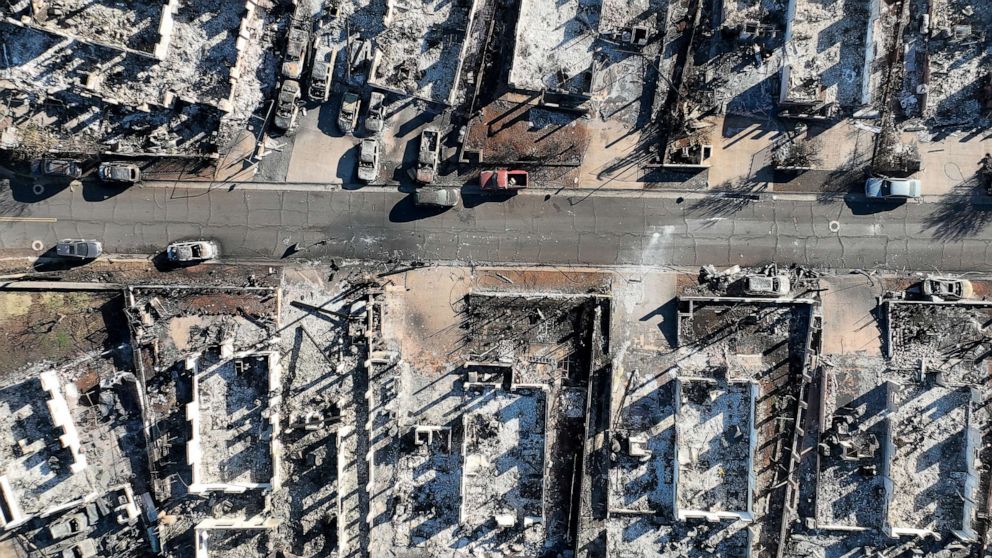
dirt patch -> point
(181, 327)
(508, 132)
(58, 326)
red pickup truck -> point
(503, 179)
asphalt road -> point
(609, 229)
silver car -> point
(436, 197)
(79, 248)
(191, 251)
(893, 188)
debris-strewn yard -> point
(384, 409)
(58, 325)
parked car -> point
(348, 116)
(436, 197)
(767, 285)
(427, 158)
(61, 167)
(191, 251)
(79, 248)
(322, 73)
(375, 119)
(893, 188)
(125, 173)
(287, 108)
(368, 160)
(944, 288)
(502, 179)
(296, 51)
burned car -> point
(61, 167)
(945, 288)
(287, 109)
(368, 160)
(119, 172)
(296, 51)
(767, 285)
(191, 251)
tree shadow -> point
(962, 214)
(735, 198)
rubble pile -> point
(133, 25)
(189, 97)
(384, 409)
(554, 45)
(959, 51)
(826, 52)
(419, 50)
(714, 456)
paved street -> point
(610, 229)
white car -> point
(79, 248)
(436, 197)
(191, 251)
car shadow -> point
(51, 261)
(38, 190)
(474, 197)
(163, 264)
(406, 211)
(859, 205)
(327, 116)
(347, 170)
(98, 191)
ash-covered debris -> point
(714, 450)
(554, 45)
(651, 537)
(83, 91)
(903, 427)
(826, 53)
(954, 340)
(419, 51)
(958, 53)
(74, 468)
(445, 411)
(797, 153)
(693, 462)
(769, 281)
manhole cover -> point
(834, 226)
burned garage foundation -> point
(714, 449)
(235, 426)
